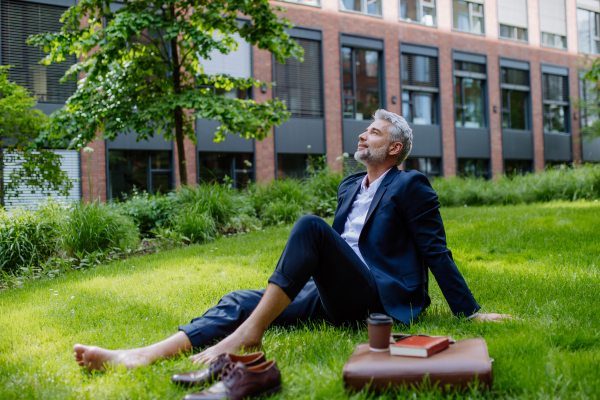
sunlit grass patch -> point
(539, 262)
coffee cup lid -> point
(379, 319)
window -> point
(556, 103)
(361, 82)
(295, 166)
(300, 84)
(238, 63)
(427, 166)
(473, 168)
(419, 89)
(512, 17)
(517, 167)
(468, 16)
(316, 3)
(419, 11)
(515, 99)
(513, 32)
(553, 23)
(151, 171)
(588, 31)
(370, 7)
(469, 94)
(214, 167)
(21, 19)
(552, 40)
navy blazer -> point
(402, 238)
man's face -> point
(373, 144)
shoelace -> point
(229, 371)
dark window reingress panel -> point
(556, 103)
(19, 20)
(300, 84)
(469, 94)
(517, 167)
(515, 99)
(141, 170)
(215, 166)
(419, 89)
(474, 168)
(361, 82)
(428, 166)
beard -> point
(371, 156)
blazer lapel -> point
(380, 191)
(342, 214)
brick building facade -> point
(484, 97)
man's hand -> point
(490, 317)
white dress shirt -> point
(358, 213)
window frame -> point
(420, 13)
(555, 36)
(565, 104)
(434, 92)
(485, 100)
(150, 171)
(380, 76)
(470, 6)
(301, 3)
(512, 87)
(591, 32)
(364, 4)
(514, 28)
(233, 170)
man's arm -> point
(422, 218)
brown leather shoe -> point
(213, 372)
(239, 382)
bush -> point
(324, 185)
(561, 184)
(149, 211)
(282, 201)
(195, 223)
(219, 202)
(92, 227)
(27, 238)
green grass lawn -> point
(539, 262)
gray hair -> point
(398, 132)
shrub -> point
(219, 202)
(323, 185)
(561, 184)
(27, 238)
(93, 227)
(149, 211)
(282, 201)
(195, 223)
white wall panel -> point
(69, 163)
(513, 13)
(553, 17)
(237, 63)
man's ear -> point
(395, 149)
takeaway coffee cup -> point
(380, 329)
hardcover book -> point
(419, 346)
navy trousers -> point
(319, 272)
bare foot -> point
(491, 317)
(96, 358)
(246, 339)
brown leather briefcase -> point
(456, 367)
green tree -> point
(589, 103)
(142, 69)
(20, 124)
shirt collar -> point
(375, 184)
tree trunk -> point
(183, 178)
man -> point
(387, 233)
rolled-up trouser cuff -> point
(194, 334)
(286, 283)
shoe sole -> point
(269, 392)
